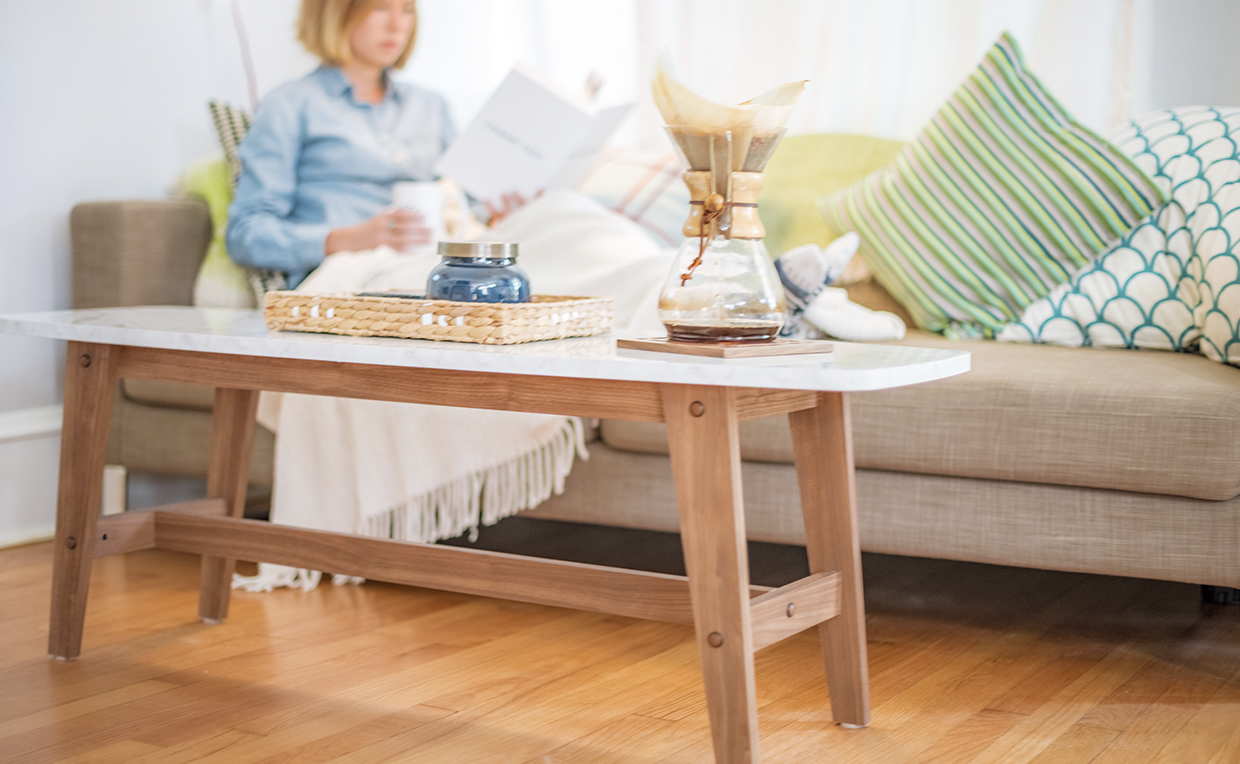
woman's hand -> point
(400, 229)
(503, 207)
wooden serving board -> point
(774, 347)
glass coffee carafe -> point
(723, 286)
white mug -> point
(426, 198)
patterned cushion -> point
(1001, 198)
(231, 125)
(1173, 283)
(644, 186)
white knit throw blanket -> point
(424, 473)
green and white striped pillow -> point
(1001, 198)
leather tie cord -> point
(708, 216)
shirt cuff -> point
(309, 245)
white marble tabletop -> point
(851, 367)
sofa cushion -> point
(1150, 422)
(176, 441)
(1114, 533)
(137, 252)
(169, 394)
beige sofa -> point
(1102, 461)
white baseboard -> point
(26, 424)
(27, 536)
(31, 424)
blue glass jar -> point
(478, 271)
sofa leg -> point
(1220, 595)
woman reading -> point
(313, 202)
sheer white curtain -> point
(465, 47)
(884, 66)
(875, 66)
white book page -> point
(590, 144)
(520, 139)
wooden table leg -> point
(90, 386)
(822, 442)
(705, 452)
(228, 475)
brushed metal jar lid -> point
(478, 250)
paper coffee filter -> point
(690, 117)
(681, 106)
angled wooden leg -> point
(90, 384)
(705, 451)
(232, 436)
(822, 442)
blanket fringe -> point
(482, 498)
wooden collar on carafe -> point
(735, 218)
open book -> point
(528, 137)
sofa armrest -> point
(137, 252)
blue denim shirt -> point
(316, 158)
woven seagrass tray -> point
(544, 317)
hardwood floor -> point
(968, 663)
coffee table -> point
(702, 400)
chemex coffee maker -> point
(723, 286)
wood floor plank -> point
(1055, 717)
(121, 750)
(1203, 735)
(346, 742)
(1229, 753)
(510, 717)
(68, 711)
(1079, 745)
(1132, 671)
(217, 745)
(309, 690)
(1120, 709)
(579, 697)
(613, 744)
(332, 732)
(969, 738)
(1160, 722)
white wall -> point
(90, 111)
(1194, 56)
(106, 100)
(98, 100)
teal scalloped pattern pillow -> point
(1173, 282)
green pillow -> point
(1001, 198)
(221, 283)
(804, 168)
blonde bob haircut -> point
(324, 26)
